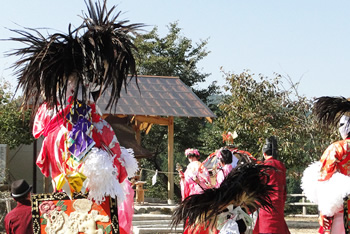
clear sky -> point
(306, 40)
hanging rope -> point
(154, 178)
(164, 172)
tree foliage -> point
(173, 55)
(14, 124)
(256, 107)
(259, 108)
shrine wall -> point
(20, 165)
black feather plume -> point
(98, 53)
(45, 65)
(109, 45)
(245, 186)
(329, 110)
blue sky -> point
(308, 41)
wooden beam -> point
(121, 116)
(171, 160)
(152, 119)
(210, 120)
(144, 126)
(104, 116)
(148, 128)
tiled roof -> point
(157, 96)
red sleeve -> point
(103, 134)
(42, 160)
(329, 161)
(42, 118)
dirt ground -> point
(303, 231)
(302, 225)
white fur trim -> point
(102, 176)
(328, 194)
(309, 181)
(131, 164)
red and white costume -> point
(223, 172)
(53, 157)
(324, 182)
(49, 123)
(195, 179)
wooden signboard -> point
(57, 213)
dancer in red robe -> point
(273, 221)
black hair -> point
(270, 147)
(193, 155)
(226, 156)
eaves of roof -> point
(156, 96)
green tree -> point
(258, 108)
(173, 55)
(14, 123)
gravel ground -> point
(303, 231)
(302, 225)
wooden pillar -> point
(46, 184)
(171, 160)
(34, 165)
(137, 132)
(304, 207)
(138, 136)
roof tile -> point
(158, 96)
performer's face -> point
(344, 126)
(192, 158)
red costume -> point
(335, 159)
(19, 220)
(324, 182)
(195, 179)
(273, 222)
(80, 150)
(53, 127)
(329, 175)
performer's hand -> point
(195, 179)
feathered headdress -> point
(96, 55)
(108, 43)
(329, 110)
(245, 186)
